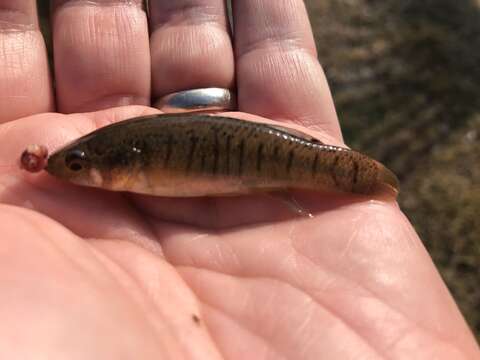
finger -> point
(101, 52)
(24, 75)
(278, 73)
(190, 45)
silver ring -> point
(207, 99)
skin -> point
(91, 274)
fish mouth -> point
(54, 164)
(56, 167)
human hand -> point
(87, 274)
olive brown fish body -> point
(201, 155)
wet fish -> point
(187, 155)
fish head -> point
(76, 163)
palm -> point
(91, 274)
(273, 287)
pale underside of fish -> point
(203, 155)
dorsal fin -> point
(297, 133)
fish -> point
(194, 155)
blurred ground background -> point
(405, 77)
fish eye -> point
(75, 160)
